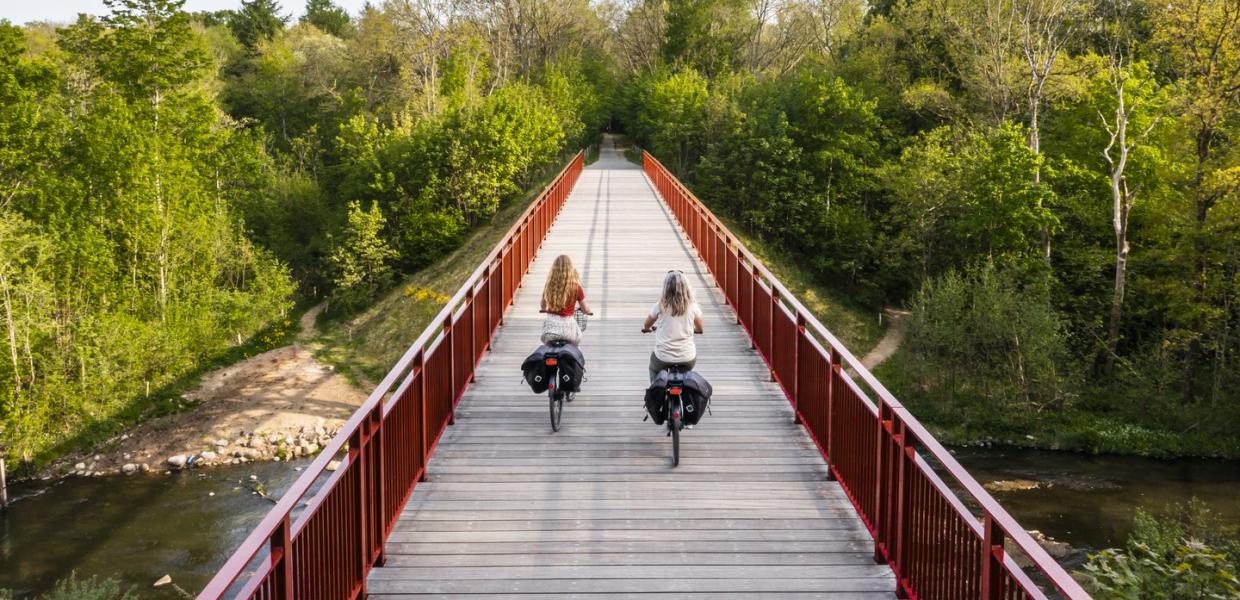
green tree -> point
(328, 17)
(361, 258)
(1198, 42)
(754, 173)
(257, 21)
(291, 85)
(673, 116)
(964, 198)
(149, 50)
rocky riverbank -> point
(278, 405)
(239, 448)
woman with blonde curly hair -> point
(560, 298)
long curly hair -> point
(562, 285)
(677, 295)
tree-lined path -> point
(512, 508)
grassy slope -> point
(853, 323)
(364, 346)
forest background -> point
(1051, 187)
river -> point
(142, 527)
(137, 528)
(1088, 501)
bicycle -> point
(674, 405)
(555, 396)
(674, 401)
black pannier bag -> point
(695, 393)
(572, 364)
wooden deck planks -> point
(595, 510)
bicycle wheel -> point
(557, 408)
(675, 426)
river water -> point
(1088, 501)
(143, 527)
(137, 528)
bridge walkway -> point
(514, 510)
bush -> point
(361, 258)
(984, 338)
(71, 588)
(1189, 555)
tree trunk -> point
(1035, 144)
(1122, 201)
(1203, 202)
(160, 210)
(1117, 301)
(8, 317)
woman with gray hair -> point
(674, 319)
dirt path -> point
(891, 341)
(278, 404)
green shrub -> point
(1187, 556)
(986, 340)
(72, 588)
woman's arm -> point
(585, 308)
(650, 319)
(697, 324)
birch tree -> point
(1130, 88)
(1046, 28)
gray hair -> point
(677, 296)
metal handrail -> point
(889, 411)
(275, 532)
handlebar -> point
(695, 332)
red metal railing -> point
(327, 551)
(936, 545)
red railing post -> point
(449, 340)
(357, 442)
(754, 283)
(796, 368)
(832, 383)
(468, 348)
(882, 502)
(380, 507)
(419, 363)
(282, 560)
(992, 559)
(901, 516)
(505, 275)
(487, 308)
(770, 323)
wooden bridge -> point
(455, 486)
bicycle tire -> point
(557, 410)
(675, 444)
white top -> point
(673, 340)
